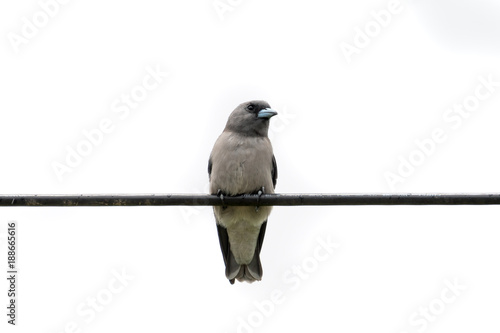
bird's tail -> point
(248, 273)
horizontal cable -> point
(248, 200)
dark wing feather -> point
(274, 172)
(209, 167)
(260, 240)
(254, 269)
(224, 242)
(232, 267)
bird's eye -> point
(250, 107)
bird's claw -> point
(221, 196)
(261, 191)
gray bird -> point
(242, 162)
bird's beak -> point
(266, 113)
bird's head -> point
(251, 118)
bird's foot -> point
(221, 196)
(261, 191)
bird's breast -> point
(241, 164)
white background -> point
(343, 123)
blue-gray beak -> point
(266, 113)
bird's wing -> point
(224, 242)
(255, 267)
(260, 240)
(232, 267)
(274, 171)
(209, 167)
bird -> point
(242, 162)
